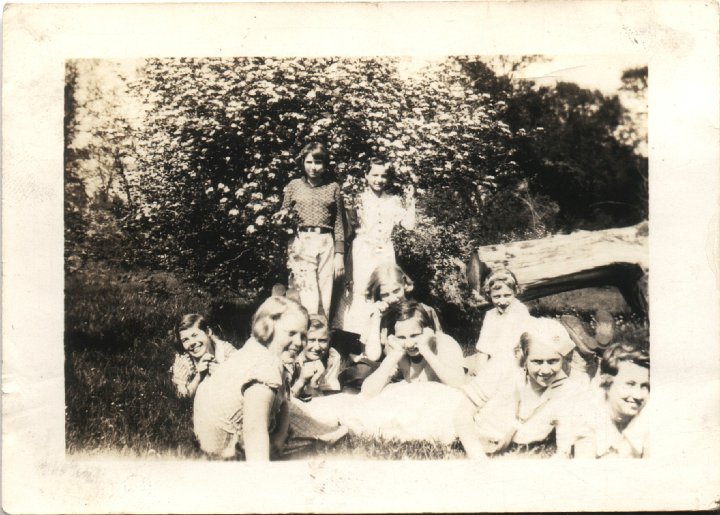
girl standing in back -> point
(316, 254)
(375, 215)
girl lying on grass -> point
(415, 351)
(616, 419)
(523, 408)
(421, 405)
(318, 364)
(387, 287)
(199, 353)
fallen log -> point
(583, 259)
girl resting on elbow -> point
(415, 351)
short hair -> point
(316, 149)
(186, 322)
(384, 274)
(269, 312)
(618, 352)
(379, 161)
(317, 322)
(406, 310)
(552, 333)
(501, 276)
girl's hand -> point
(339, 265)
(394, 347)
(315, 379)
(424, 342)
(307, 372)
(380, 307)
(183, 368)
(204, 363)
(212, 366)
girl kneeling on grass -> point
(245, 400)
(525, 407)
(199, 353)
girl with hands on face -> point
(415, 351)
(388, 287)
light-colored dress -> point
(509, 410)
(500, 334)
(595, 427)
(218, 408)
(419, 407)
(418, 411)
(372, 247)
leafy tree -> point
(574, 157)
(221, 138)
(98, 151)
(193, 156)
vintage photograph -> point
(381, 258)
(348, 257)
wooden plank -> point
(582, 259)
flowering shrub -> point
(221, 139)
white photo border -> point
(680, 41)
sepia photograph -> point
(343, 257)
(463, 247)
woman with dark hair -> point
(416, 352)
(198, 353)
(615, 424)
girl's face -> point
(408, 332)
(289, 335)
(317, 344)
(391, 292)
(629, 390)
(377, 178)
(195, 341)
(314, 167)
(543, 364)
(501, 296)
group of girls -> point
(531, 380)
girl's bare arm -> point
(257, 406)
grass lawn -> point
(118, 351)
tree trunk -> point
(615, 257)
